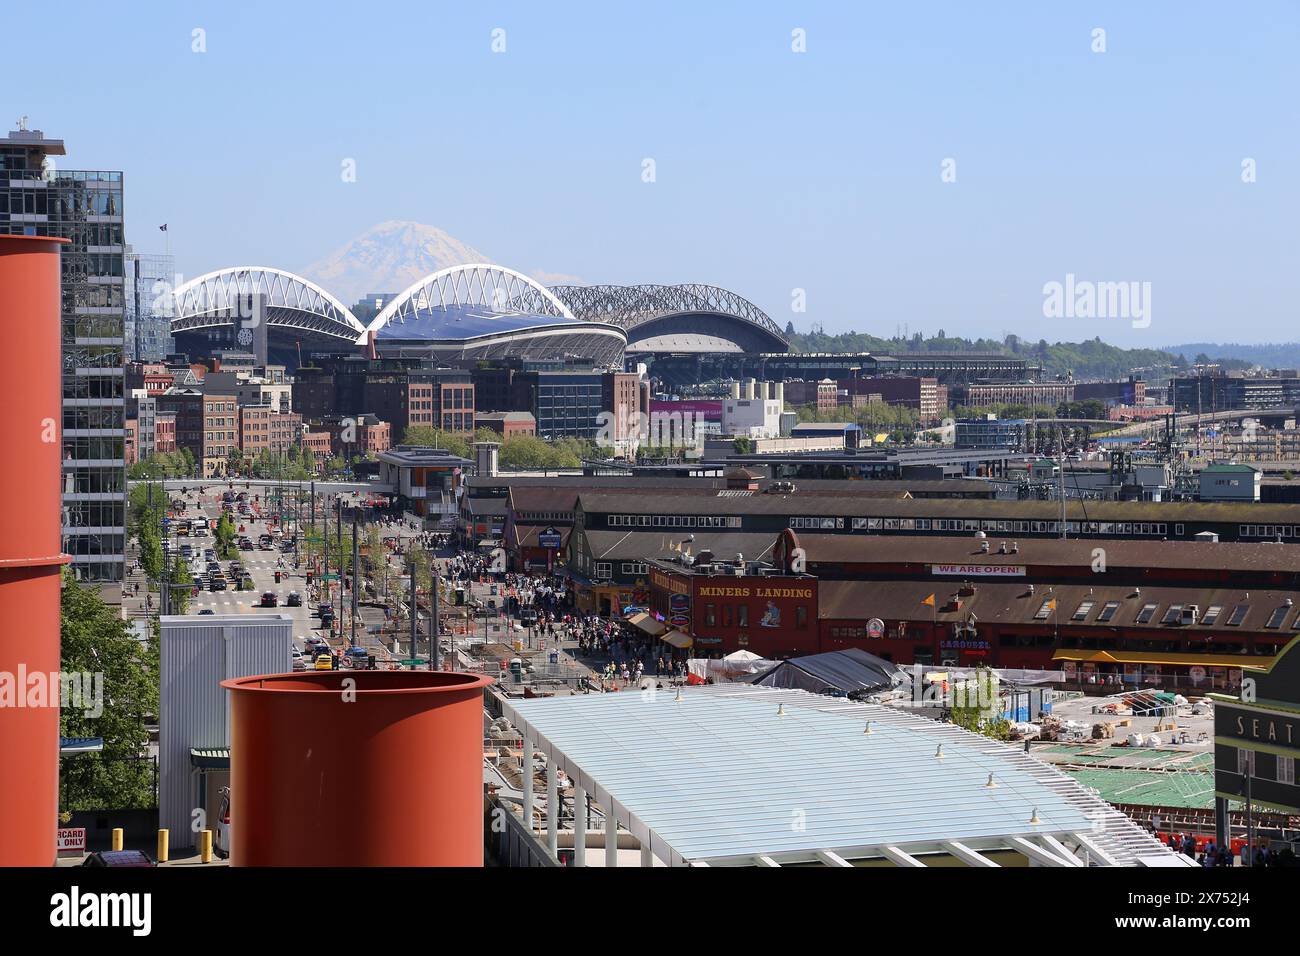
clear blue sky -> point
(775, 170)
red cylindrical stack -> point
(30, 558)
(384, 771)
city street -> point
(261, 565)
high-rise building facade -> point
(148, 286)
(85, 207)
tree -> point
(376, 561)
(179, 597)
(430, 437)
(97, 641)
(151, 555)
(976, 706)
(526, 453)
(225, 534)
(742, 446)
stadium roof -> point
(458, 321)
(737, 775)
(690, 318)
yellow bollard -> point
(205, 846)
(117, 838)
(163, 837)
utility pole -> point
(1061, 487)
(415, 608)
(433, 618)
(356, 562)
(338, 539)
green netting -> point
(1192, 789)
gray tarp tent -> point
(849, 671)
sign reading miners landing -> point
(979, 570)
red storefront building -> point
(725, 607)
(1174, 613)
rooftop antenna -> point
(22, 123)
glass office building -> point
(149, 279)
(85, 207)
(569, 404)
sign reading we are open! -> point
(979, 570)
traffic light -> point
(309, 575)
(277, 577)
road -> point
(261, 566)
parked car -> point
(118, 858)
(221, 836)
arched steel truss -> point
(483, 284)
(290, 301)
(631, 305)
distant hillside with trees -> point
(1234, 355)
(1093, 359)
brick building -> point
(507, 424)
(164, 439)
(318, 442)
(220, 433)
(402, 392)
(824, 395)
(358, 435)
(983, 394)
(918, 392)
(132, 445)
(261, 428)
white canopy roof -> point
(737, 774)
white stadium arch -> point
(291, 302)
(476, 284)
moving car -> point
(270, 599)
(294, 599)
(207, 610)
(217, 584)
(324, 662)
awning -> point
(490, 543)
(80, 745)
(677, 639)
(646, 624)
(1156, 657)
(210, 759)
